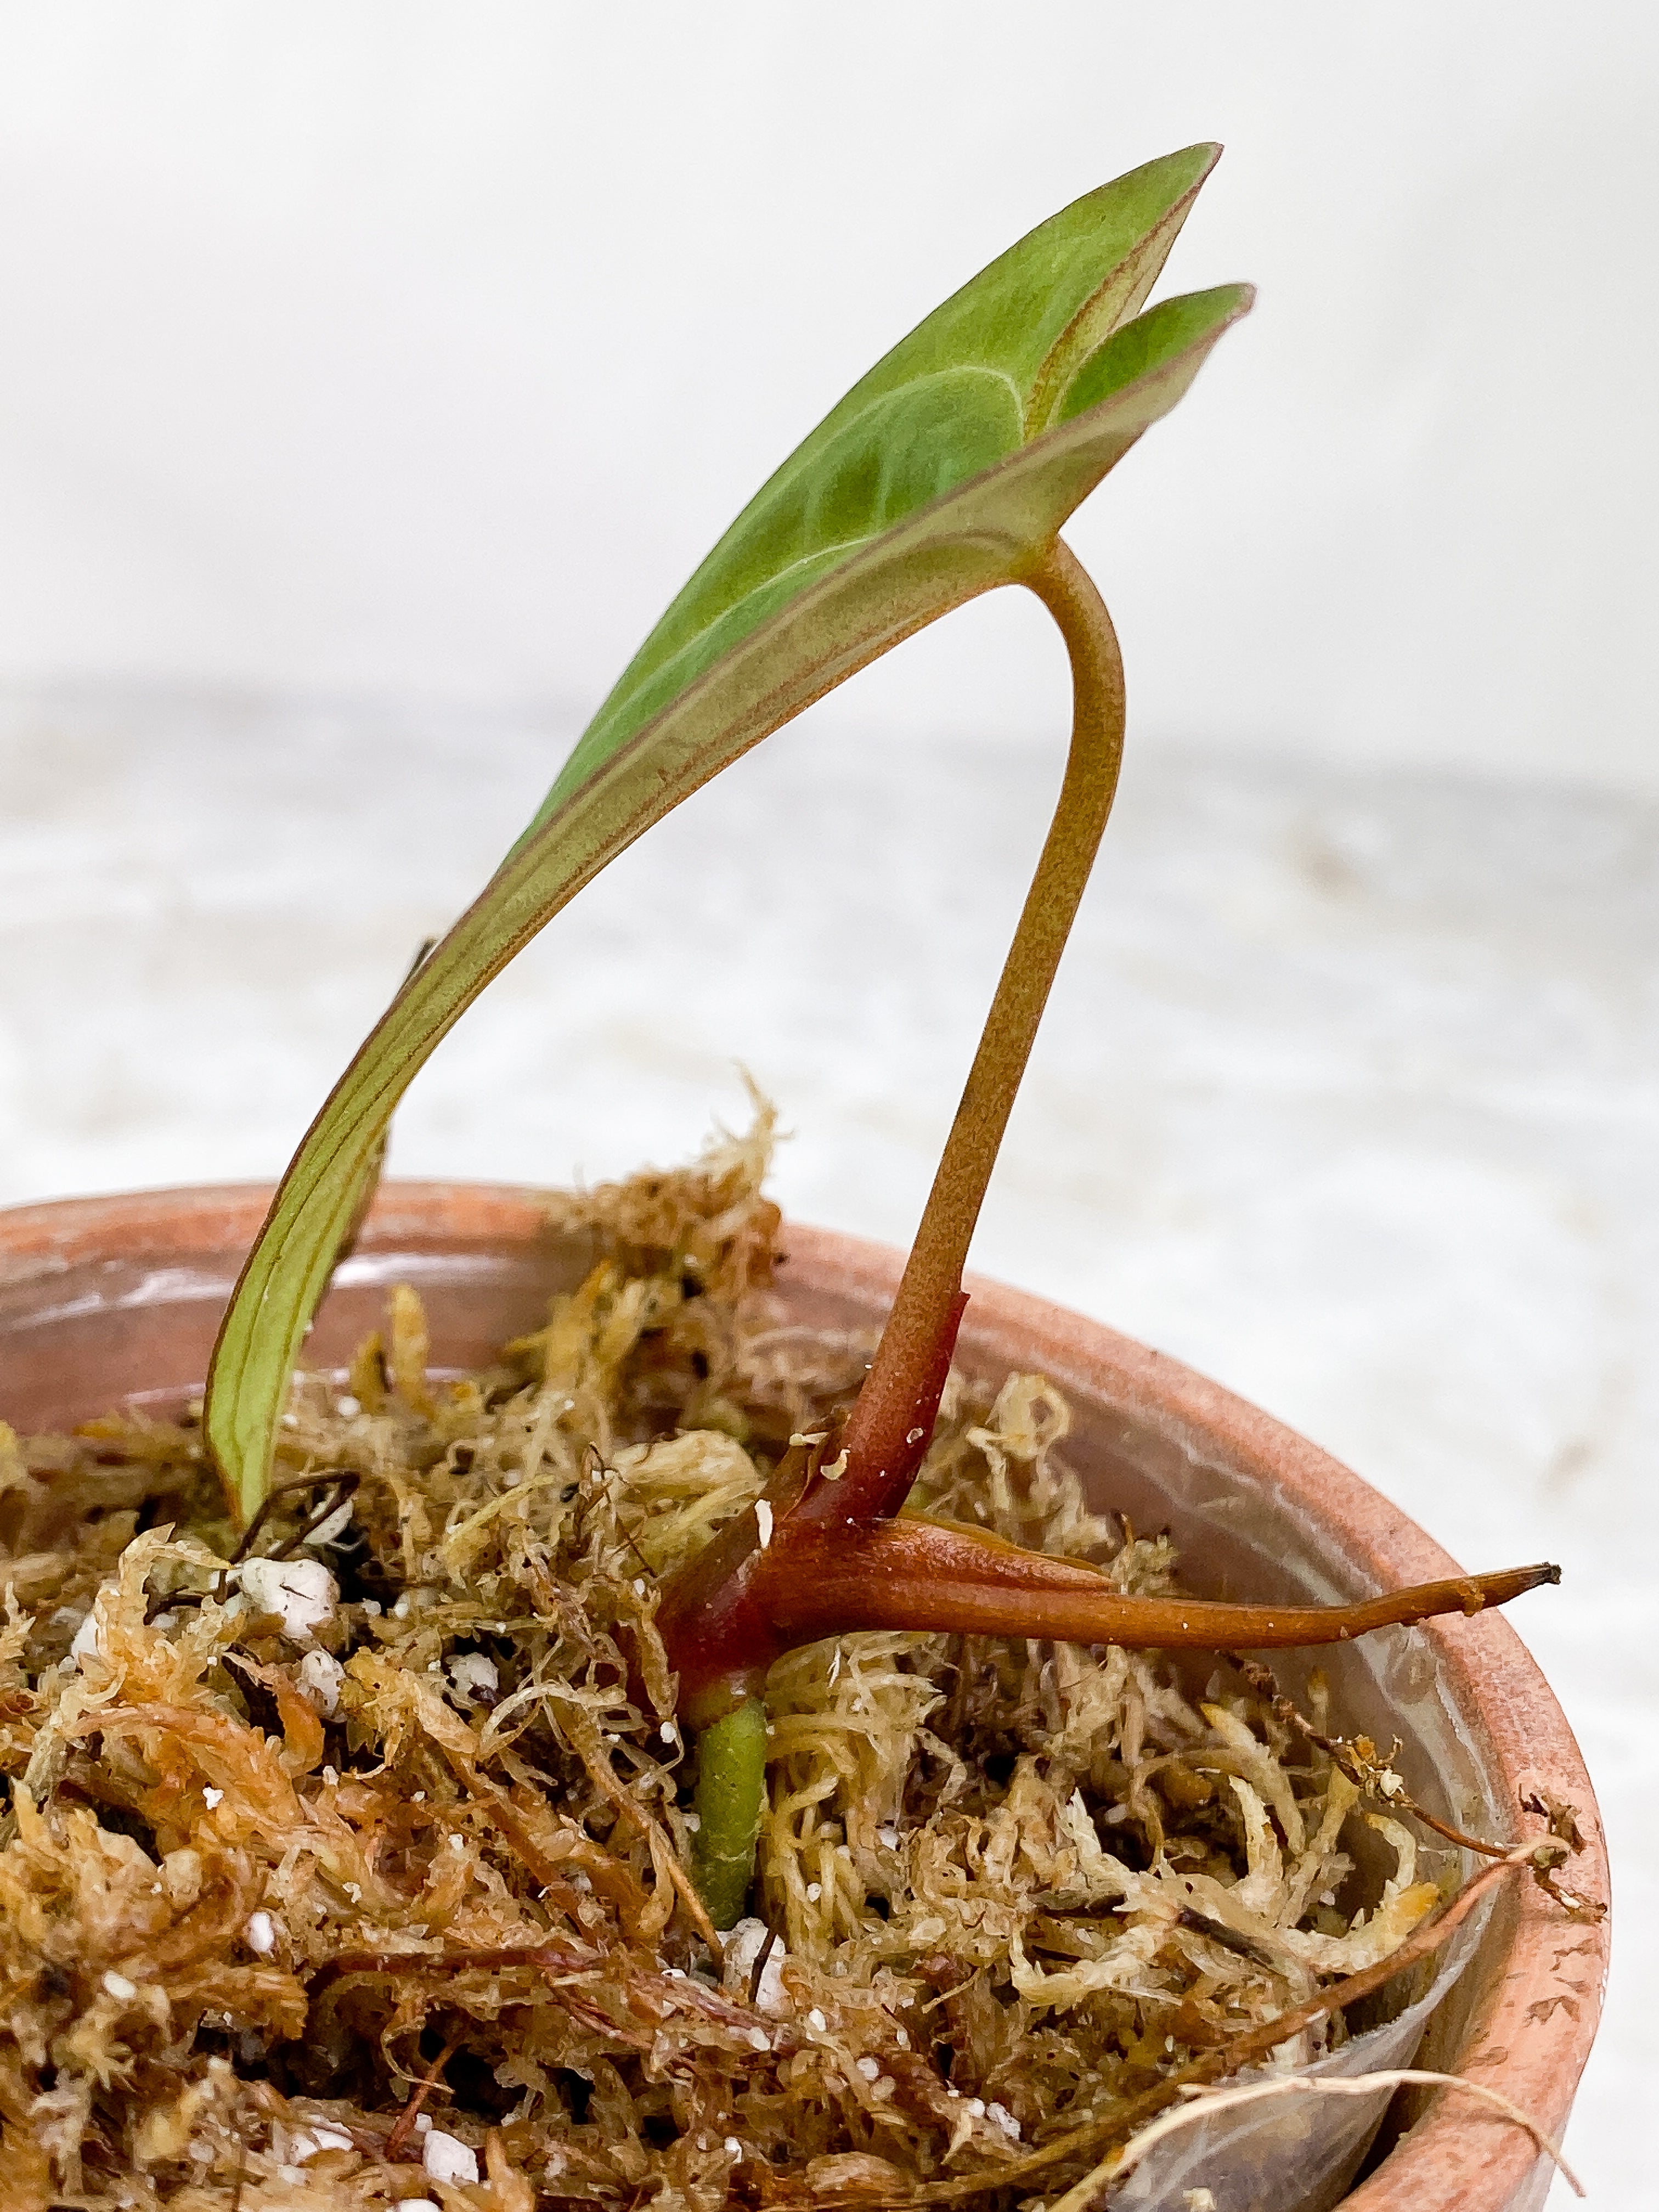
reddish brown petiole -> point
(713, 1619)
(811, 1580)
(921, 1574)
(889, 1429)
(823, 1552)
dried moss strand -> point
(883, 1450)
(1399, 1800)
(559, 1957)
(1241, 2050)
(731, 1784)
(519, 1514)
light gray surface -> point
(1348, 1094)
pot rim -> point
(1533, 2030)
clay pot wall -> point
(103, 1299)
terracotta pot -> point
(106, 1299)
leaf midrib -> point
(798, 466)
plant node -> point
(822, 1553)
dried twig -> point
(405, 2126)
(1359, 1759)
(1366, 1769)
(758, 1973)
(344, 1481)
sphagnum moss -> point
(416, 1793)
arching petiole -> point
(888, 1433)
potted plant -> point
(947, 471)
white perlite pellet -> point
(446, 2157)
(320, 1677)
(302, 1591)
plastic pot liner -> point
(1291, 2154)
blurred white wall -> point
(418, 350)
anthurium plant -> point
(947, 471)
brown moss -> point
(260, 1883)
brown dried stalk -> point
(1376, 1777)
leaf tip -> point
(1200, 158)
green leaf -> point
(945, 472)
(966, 388)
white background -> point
(408, 346)
(373, 374)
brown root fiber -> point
(397, 1810)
